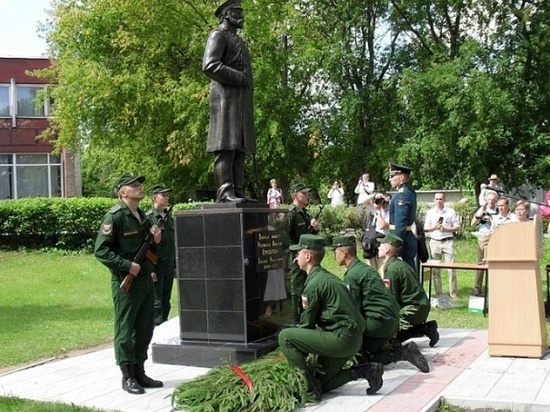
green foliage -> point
(25, 405)
(64, 223)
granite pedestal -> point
(221, 284)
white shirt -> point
(450, 219)
(499, 220)
(363, 190)
(336, 196)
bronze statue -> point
(231, 136)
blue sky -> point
(19, 27)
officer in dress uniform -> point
(120, 237)
(331, 326)
(163, 275)
(403, 211)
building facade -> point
(28, 166)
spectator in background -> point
(483, 218)
(336, 194)
(364, 188)
(504, 215)
(522, 210)
(274, 195)
(378, 204)
(486, 188)
(441, 223)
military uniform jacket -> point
(298, 223)
(404, 284)
(403, 210)
(166, 249)
(225, 58)
(368, 289)
(120, 236)
(328, 304)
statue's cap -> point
(229, 4)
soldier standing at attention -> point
(403, 211)
(122, 233)
(299, 223)
(163, 276)
(330, 327)
(231, 137)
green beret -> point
(310, 242)
(392, 239)
(299, 187)
(127, 179)
(343, 241)
(160, 188)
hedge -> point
(63, 223)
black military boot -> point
(313, 385)
(430, 330)
(145, 380)
(129, 382)
(372, 372)
(411, 353)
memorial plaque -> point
(269, 250)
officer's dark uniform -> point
(298, 224)
(405, 286)
(402, 215)
(119, 239)
(331, 327)
(166, 259)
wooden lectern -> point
(517, 325)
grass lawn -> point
(52, 304)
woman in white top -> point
(336, 194)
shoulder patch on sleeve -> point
(106, 229)
(305, 302)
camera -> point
(485, 218)
(380, 201)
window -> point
(4, 101)
(29, 175)
(27, 104)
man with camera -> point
(364, 188)
(483, 217)
(378, 204)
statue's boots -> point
(129, 382)
(145, 380)
(372, 372)
(412, 354)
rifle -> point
(309, 227)
(143, 253)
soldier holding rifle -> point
(120, 237)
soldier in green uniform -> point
(401, 279)
(331, 326)
(378, 307)
(120, 236)
(299, 223)
(403, 211)
(163, 276)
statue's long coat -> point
(225, 58)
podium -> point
(517, 325)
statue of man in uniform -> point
(231, 136)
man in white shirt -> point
(378, 205)
(441, 223)
(504, 214)
(484, 217)
(364, 188)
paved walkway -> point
(461, 372)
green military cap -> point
(299, 187)
(395, 169)
(392, 239)
(343, 241)
(310, 242)
(160, 188)
(127, 179)
(227, 5)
